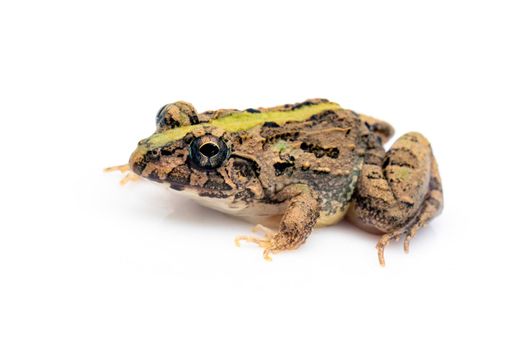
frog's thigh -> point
(400, 195)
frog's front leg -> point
(124, 169)
(299, 218)
(398, 192)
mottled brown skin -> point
(398, 191)
(308, 172)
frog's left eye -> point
(176, 114)
(208, 152)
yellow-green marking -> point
(238, 121)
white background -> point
(86, 264)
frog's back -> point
(323, 151)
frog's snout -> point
(138, 161)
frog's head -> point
(194, 156)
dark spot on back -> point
(308, 103)
(319, 151)
(282, 167)
(270, 125)
(302, 104)
(272, 135)
(323, 116)
(247, 168)
(333, 153)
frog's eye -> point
(176, 114)
(208, 152)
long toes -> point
(263, 229)
(386, 238)
(381, 254)
(251, 239)
(266, 255)
(258, 228)
(406, 244)
(129, 178)
(121, 168)
(381, 244)
(261, 242)
(238, 240)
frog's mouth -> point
(197, 192)
(217, 200)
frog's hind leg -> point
(398, 192)
(432, 206)
(378, 127)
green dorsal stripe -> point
(243, 121)
(246, 120)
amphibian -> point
(298, 165)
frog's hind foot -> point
(431, 206)
(267, 243)
(383, 242)
(124, 169)
(399, 191)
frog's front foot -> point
(124, 169)
(268, 243)
(296, 224)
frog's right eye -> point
(176, 114)
(208, 152)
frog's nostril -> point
(141, 142)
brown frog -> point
(295, 166)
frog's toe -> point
(129, 177)
(268, 242)
(124, 169)
(383, 242)
(268, 232)
(406, 243)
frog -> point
(293, 168)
